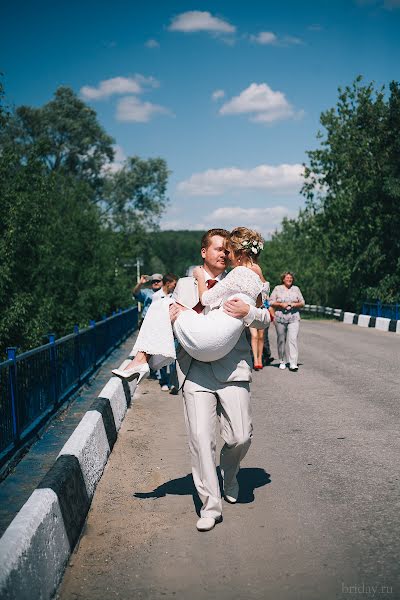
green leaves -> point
(66, 224)
(347, 237)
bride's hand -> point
(198, 273)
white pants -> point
(287, 332)
(207, 401)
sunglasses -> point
(156, 281)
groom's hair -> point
(206, 239)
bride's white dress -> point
(205, 337)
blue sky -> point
(228, 92)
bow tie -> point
(210, 284)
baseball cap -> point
(156, 277)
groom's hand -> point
(236, 308)
(175, 310)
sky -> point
(228, 92)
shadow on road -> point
(249, 479)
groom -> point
(216, 390)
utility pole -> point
(139, 263)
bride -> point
(205, 335)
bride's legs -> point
(140, 359)
(260, 345)
(257, 342)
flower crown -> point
(254, 246)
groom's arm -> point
(252, 316)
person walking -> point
(287, 299)
(217, 390)
(210, 314)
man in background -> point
(145, 295)
(168, 285)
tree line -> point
(69, 222)
(72, 225)
(345, 245)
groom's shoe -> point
(207, 523)
(231, 492)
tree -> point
(66, 223)
(347, 240)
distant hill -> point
(175, 251)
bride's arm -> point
(198, 274)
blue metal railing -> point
(377, 309)
(34, 384)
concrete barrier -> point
(35, 548)
(348, 318)
(351, 318)
(363, 320)
(382, 323)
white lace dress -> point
(205, 337)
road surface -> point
(318, 516)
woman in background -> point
(287, 299)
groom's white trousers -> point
(207, 401)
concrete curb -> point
(36, 546)
(350, 318)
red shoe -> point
(258, 367)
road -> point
(318, 516)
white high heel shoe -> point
(138, 371)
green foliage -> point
(176, 250)
(66, 222)
(345, 245)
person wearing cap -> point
(145, 295)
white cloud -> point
(270, 38)
(281, 179)
(289, 40)
(196, 20)
(134, 110)
(266, 219)
(118, 85)
(264, 104)
(264, 37)
(152, 44)
(218, 94)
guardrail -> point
(33, 385)
(350, 318)
(377, 309)
(327, 311)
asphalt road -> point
(318, 516)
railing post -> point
(379, 308)
(92, 324)
(77, 353)
(53, 366)
(12, 355)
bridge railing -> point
(377, 309)
(35, 384)
(327, 311)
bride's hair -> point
(245, 242)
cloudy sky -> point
(229, 93)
